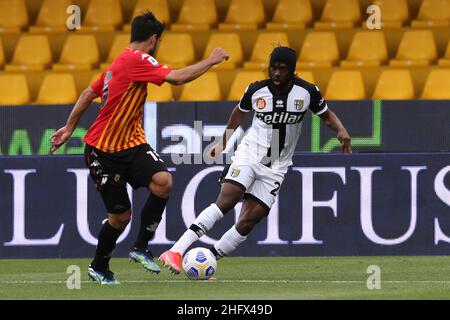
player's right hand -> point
(216, 150)
(59, 138)
(218, 55)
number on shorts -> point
(274, 191)
(154, 155)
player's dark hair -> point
(144, 26)
(285, 55)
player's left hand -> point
(345, 140)
(59, 138)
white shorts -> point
(259, 182)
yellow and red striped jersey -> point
(123, 88)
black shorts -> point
(112, 171)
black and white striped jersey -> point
(277, 122)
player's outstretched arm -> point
(234, 121)
(192, 72)
(332, 121)
(62, 135)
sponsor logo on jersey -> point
(280, 117)
(235, 172)
(299, 104)
(279, 104)
(260, 103)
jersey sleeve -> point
(317, 104)
(145, 68)
(97, 85)
(245, 104)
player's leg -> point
(235, 181)
(252, 213)
(112, 188)
(149, 170)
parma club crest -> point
(235, 172)
(298, 104)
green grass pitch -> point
(425, 277)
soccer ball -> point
(199, 264)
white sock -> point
(201, 225)
(229, 242)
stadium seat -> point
(395, 13)
(242, 80)
(205, 88)
(176, 50)
(319, 50)
(32, 53)
(121, 41)
(13, 16)
(306, 75)
(433, 13)
(264, 45)
(368, 49)
(196, 15)
(292, 15)
(231, 43)
(80, 52)
(394, 85)
(437, 85)
(14, 89)
(160, 9)
(163, 93)
(445, 61)
(57, 88)
(102, 15)
(339, 14)
(2, 55)
(52, 16)
(244, 15)
(417, 48)
(346, 85)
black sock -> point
(106, 243)
(150, 218)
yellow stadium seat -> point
(244, 15)
(14, 89)
(205, 88)
(433, 13)
(80, 52)
(176, 50)
(291, 14)
(306, 75)
(437, 85)
(57, 88)
(242, 80)
(417, 48)
(339, 14)
(160, 9)
(368, 49)
(346, 85)
(32, 53)
(121, 41)
(102, 15)
(231, 43)
(319, 50)
(52, 16)
(394, 85)
(2, 55)
(445, 61)
(394, 13)
(163, 93)
(196, 15)
(264, 45)
(13, 16)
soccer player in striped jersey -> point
(264, 155)
(116, 148)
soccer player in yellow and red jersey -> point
(116, 148)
